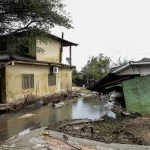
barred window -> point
(27, 81)
(3, 46)
(24, 48)
(51, 79)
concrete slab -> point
(57, 141)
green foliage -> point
(31, 18)
(77, 77)
(96, 67)
(20, 15)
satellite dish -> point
(68, 60)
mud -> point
(121, 130)
(30, 101)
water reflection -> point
(85, 109)
(11, 124)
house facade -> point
(133, 80)
(141, 68)
(34, 73)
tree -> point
(20, 15)
(120, 62)
(33, 18)
(77, 78)
(96, 67)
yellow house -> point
(35, 73)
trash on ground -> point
(58, 105)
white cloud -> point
(112, 27)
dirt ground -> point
(121, 130)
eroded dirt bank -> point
(30, 101)
(122, 130)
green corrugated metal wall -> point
(137, 94)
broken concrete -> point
(57, 140)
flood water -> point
(11, 124)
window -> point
(24, 48)
(51, 79)
(3, 46)
(27, 81)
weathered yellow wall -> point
(11, 47)
(51, 51)
(66, 83)
(32, 52)
(14, 73)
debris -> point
(4, 107)
(59, 105)
(26, 98)
(111, 114)
(44, 133)
(26, 116)
(78, 121)
(36, 105)
(127, 113)
(114, 95)
(109, 106)
(95, 93)
(108, 110)
(86, 95)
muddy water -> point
(11, 124)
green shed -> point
(137, 94)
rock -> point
(59, 105)
(75, 95)
(36, 105)
(13, 146)
(86, 95)
(95, 93)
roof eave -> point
(44, 63)
(122, 68)
(63, 41)
(140, 63)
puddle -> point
(11, 124)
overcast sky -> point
(112, 27)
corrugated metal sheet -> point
(137, 94)
(110, 80)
